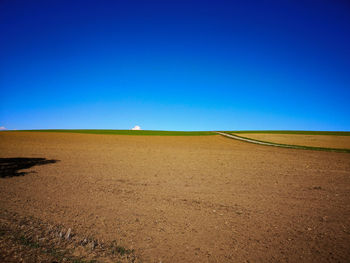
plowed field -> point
(185, 199)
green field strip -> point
(126, 132)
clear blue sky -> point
(175, 65)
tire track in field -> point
(282, 145)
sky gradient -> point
(175, 65)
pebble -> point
(84, 242)
(68, 234)
(93, 244)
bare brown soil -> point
(186, 199)
(326, 141)
(28, 239)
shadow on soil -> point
(10, 167)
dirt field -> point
(327, 141)
(185, 199)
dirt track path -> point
(327, 141)
(283, 145)
(251, 140)
(187, 199)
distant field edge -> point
(268, 143)
(339, 133)
(125, 132)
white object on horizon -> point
(136, 128)
(3, 128)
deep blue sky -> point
(175, 65)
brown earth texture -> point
(325, 141)
(114, 198)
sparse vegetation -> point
(33, 240)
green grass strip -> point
(129, 132)
(294, 146)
